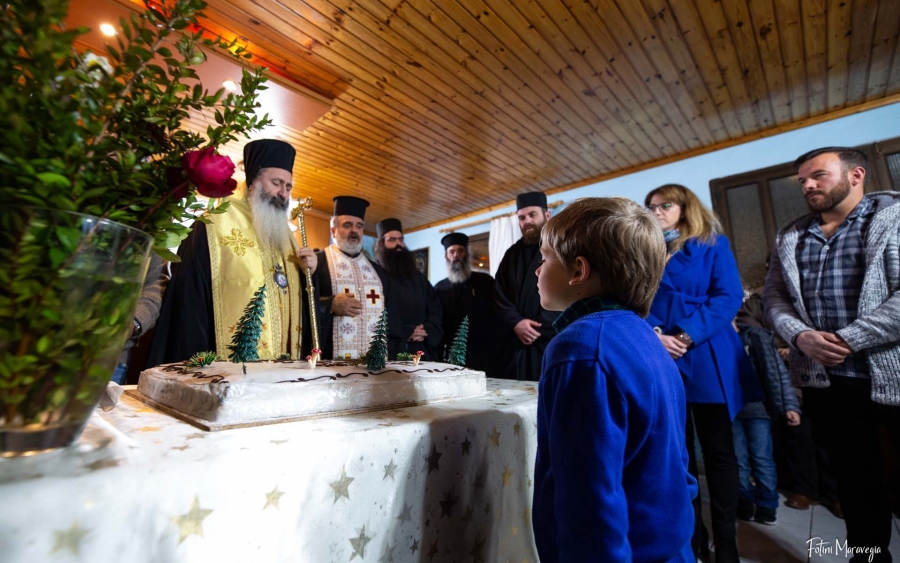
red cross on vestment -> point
(373, 296)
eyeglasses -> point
(394, 239)
(664, 206)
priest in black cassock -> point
(416, 301)
(526, 324)
(353, 291)
(224, 263)
(464, 293)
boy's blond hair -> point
(621, 241)
(696, 220)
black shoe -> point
(745, 509)
(765, 516)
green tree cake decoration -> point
(376, 356)
(201, 359)
(458, 347)
(245, 341)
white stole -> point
(357, 277)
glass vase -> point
(71, 284)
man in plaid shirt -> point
(833, 293)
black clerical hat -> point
(388, 225)
(267, 153)
(349, 205)
(531, 199)
(455, 238)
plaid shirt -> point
(831, 276)
(584, 307)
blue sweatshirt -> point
(611, 474)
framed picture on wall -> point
(421, 258)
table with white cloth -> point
(444, 482)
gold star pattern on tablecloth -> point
(69, 539)
(387, 556)
(507, 474)
(406, 513)
(389, 470)
(191, 523)
(516, 428)
(273, 498)
(432, 551)
(432, 460)
(466, 445)
(495, 438)
(467, 519)
(414, 547)
(359, 544)
(341, 486)
(477, 552)
(447, 504)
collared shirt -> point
(584, 307)
(831, 276)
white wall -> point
(696, 173)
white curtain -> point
(504, 233)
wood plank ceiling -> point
(445, 107)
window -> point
(754, 206)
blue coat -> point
(611, 480)
(700, 293)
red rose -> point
(210, 172)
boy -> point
(611, 475)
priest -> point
(353, 291)
(225, 262)
(464, 293)
(416, 302)
(527, 326)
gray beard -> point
(348, 247)
(270, 221)
(458, 271)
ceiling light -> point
(481, 264)
(107, 29)
(229, 85)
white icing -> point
(271, 390)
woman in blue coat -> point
(699, 296)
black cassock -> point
(326, 318)
(473, 298)
(516, 297)
(418, 304)
(186, 321)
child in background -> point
(611, 473)
(752, 428)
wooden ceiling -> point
(445, 107)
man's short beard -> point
(458, 270)
(533, 235)
(346, 246)
(398, 262)
(270, 220)
(831, 199)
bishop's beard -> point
(398, 262)
(458, 270)
(270, 220)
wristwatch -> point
(136, 331)
(685, 337)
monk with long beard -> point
(224, 263)
(464, 293)
(416, 302)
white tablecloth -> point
(439, 483)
